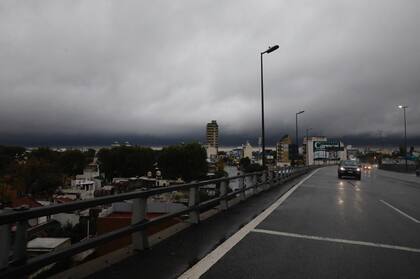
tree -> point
(187, 161)
(89, 155)
(402, 150)
(37, 177)
(72, 162)
(244, 163)
(9, 154)
(126, 161)
(253, 168)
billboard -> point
(327, 150)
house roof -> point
(25, 201)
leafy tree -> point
(8, 154)
(253, 168)
(126, 161)
(89, 155)
(220, 165)
(72, 162)
(44, 153)
(187, 161)
(37, 176)
(402, 150)
(244, 163)
(40, 171)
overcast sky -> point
(98, 68)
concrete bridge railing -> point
(13, 257)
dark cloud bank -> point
(91, 72)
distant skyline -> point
(79, 72)
(225, 140)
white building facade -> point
(323, 151)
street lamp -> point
(269, 50)
(297, 133)
(306, 144)
(405, 135)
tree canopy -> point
(126, 161)
(187, 161)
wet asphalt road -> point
(328, 218)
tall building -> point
(212, 138)
(282, 149)
(247, 150)
(213, 134)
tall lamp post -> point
(269, 50)
(405, 134)
(306, 146)
(297, 133)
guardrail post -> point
(223, 192)
(242, 187)
(139, 238)
(21, 236)
(193, 201)
(264, 180)
(255, 184)
(5, 242)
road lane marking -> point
(338, 240)
(400, 211)
(208, 261)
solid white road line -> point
(208, 261)
(338, 240)
(401, 212)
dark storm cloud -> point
(164, 69)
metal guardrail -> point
(17, 263)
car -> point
(349, 168)
(367, 167)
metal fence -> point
(13, 257)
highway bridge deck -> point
(323, 227)
(331, 228)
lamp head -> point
(271, 49)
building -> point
(352, 153)
(247, 151)
(119, 215)
(282, 150)
(90, 172)
(322, 150)
(212, 134)
(43, 245)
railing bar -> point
(35, 263)
(8, 218)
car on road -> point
(349, 168)
(367, 167)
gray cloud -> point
(166, 68)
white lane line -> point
(338, 240)
(400, 211)
(208, 261)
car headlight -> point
(358, 169)
(342, 168)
